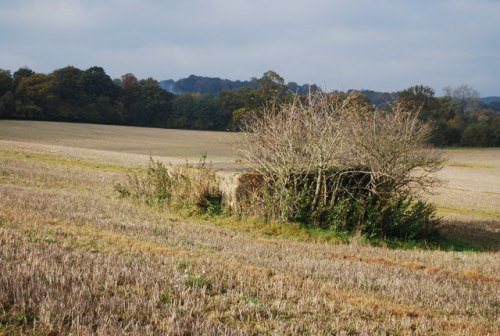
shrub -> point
(479, 135)
(400, 217)
(328, 162)
(197, 281)
(336, 162)
(189, 188)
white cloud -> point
(382, 45)
(45, 15)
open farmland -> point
(104, 141)
(74, 258)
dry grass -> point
(75, 259)
(469, 199)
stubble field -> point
(76, 259)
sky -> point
(382, 45)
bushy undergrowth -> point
(336, 162)
(326, 162)
(191, 189)
(346, 205)
(400, 217)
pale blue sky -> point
(384, 45)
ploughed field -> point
(75, 258)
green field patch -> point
(37, 182)
(477, 212)
(70, 162)
(468, 165)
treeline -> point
(458, 118)
(91, 96)
(74, 95)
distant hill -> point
(380, 98)
(215, 85)
(204, 85)
(491, 103)
(489, 100)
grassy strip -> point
(468, 165)
(488, 214)
(299, 232)
(71, 162)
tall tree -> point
(36, 97)
(6, 95)
(417, 97)
(465, 98)
(131, 99)
(68, 82)
(270, 93)
(5, 81)
(103, 97)
(96, 82)
(272, 90)
(155, 103)
(20, 74)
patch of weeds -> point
(211, 204)
(468, 165)
(166, 296)
(204, 246)
(322, 276)
(199, 281)
(458, 246)
(362, 281)
(329, 235)
(474, 212)
(50, 241)
(189, 189)
(270, 273)
(185, 264)
(71, 162)
(26, 318)
(260, 226)
(365, 283)
(33, 238)
(252, 300)
(159, 231)
(260, 329)
(439, 243)
(302, 232)
(186, 242)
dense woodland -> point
(460, 117)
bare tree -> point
(466, 99)
(290, 143)
(393, 148)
